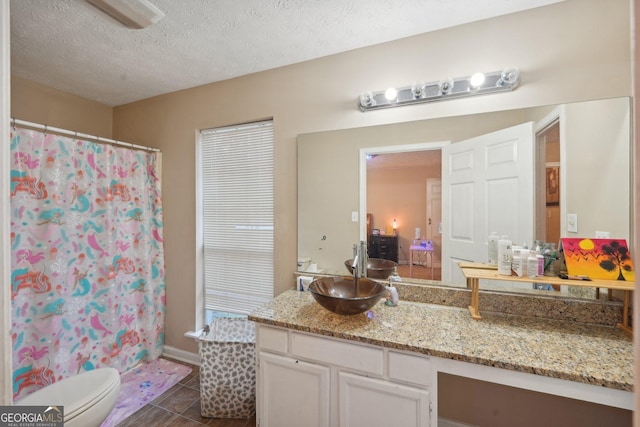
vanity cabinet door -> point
(378, 403)
(292, 393)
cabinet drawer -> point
(361, 358)
(409, 368)
(272, 339)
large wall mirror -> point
(355, 182)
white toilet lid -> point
(75, 393)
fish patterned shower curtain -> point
(87, 268)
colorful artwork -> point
(607, 259)
(87, 268)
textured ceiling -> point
(71, 46)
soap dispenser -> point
(392, 292)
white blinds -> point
(237, 202)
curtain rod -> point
(46, 129)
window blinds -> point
(237, 202)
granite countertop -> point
(587, 353)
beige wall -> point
(36, 103)
(605, 172)
(568, 61)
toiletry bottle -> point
(540, 259)
(492, 248)
(550, 255)
(392, 292)
(504, 256)
(517, 262)
(532, 264)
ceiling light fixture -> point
(449, 88)
(136, 14)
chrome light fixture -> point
(445, 86)
(417, 89)
(449, 88)
(136, 14)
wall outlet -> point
(572, 223)
(354, 216)
(603, 235)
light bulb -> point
(366, 99)
(391, 94)
(509, 76)
(445, 86)
(476, 80)
(417, 89)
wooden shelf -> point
(474, 272)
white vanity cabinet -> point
(399, 367)
(292, 392)
(309, 380)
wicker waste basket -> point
(228, 369)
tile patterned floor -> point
(180, 407)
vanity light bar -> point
(419, 92)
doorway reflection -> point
(550, 139)
(405, 187)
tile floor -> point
(180, 407)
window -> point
(236, 182)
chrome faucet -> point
(360, 260)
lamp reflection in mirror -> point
(449, 88)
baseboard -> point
(444, 422)
(183, 356)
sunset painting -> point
(607, 259)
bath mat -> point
(142, 385)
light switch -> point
(354, 216)
(572, 223)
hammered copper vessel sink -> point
(341, 295)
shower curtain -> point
(87, 278)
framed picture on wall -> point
(553, 186)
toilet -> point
(88, 398)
